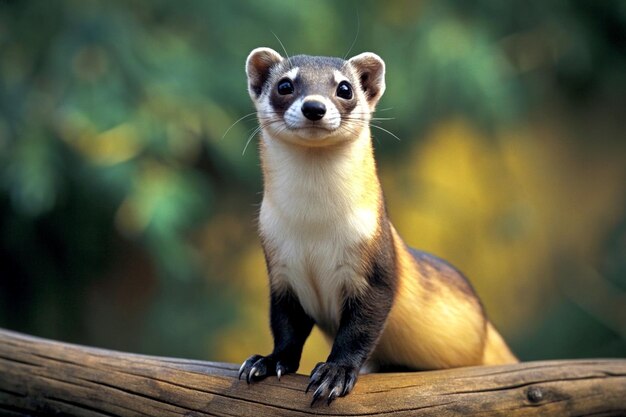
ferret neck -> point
(344, 173)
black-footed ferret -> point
(333, 257)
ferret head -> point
(314, 101)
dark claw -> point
(255, 368)
(318, 393)
(250, 374)
(332, 395)
(241, 369)
(245, 366)
(280, 370)
(350, 381)
(315, 376)
(332, 381)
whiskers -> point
(351, 124)
(242, 118)
(265, 120)
(254, 132)
(352, 121)
(284, 50)
(385, 130)
(356, 36)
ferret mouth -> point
(305, 134)
(312, 132)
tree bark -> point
(40, 377)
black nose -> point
(313, 110)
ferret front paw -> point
(332, 381)
(257, 367)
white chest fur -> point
(317, 211)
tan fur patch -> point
(496, 350)
(429, 328)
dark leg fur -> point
(362, 322)
(290, 327)
(361, 325)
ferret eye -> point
(285, 87)
(344, 90)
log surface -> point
(40, 377)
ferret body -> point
(333, 257)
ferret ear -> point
(370, 69)
(258, 66)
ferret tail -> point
(496, 350)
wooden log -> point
(40, 377)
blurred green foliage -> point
(127, 208)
